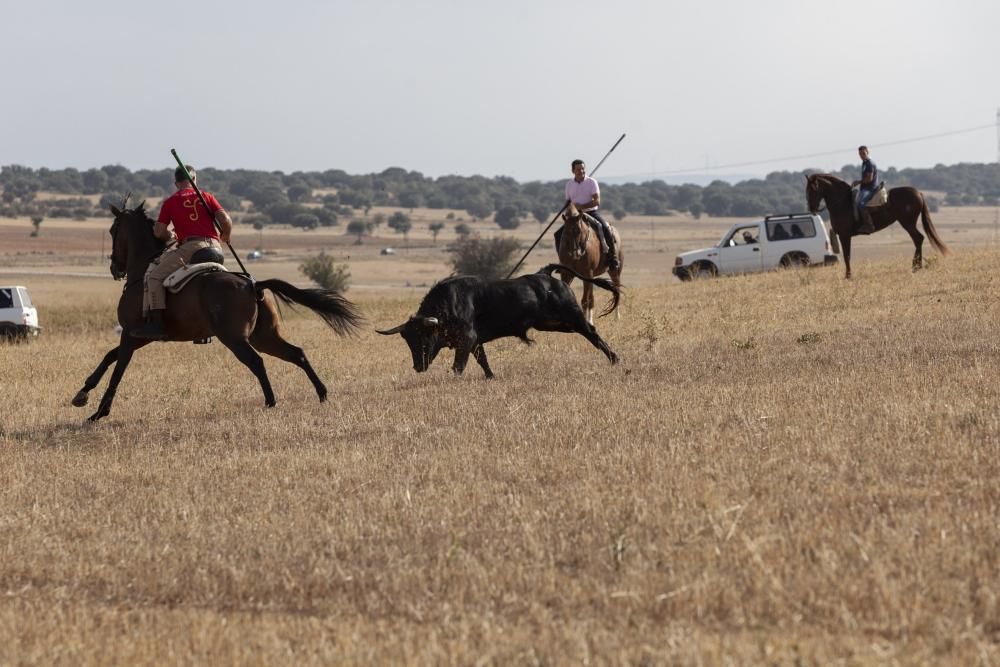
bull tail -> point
(603, 283)
(925, 218)
(339, 314)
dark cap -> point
(179, 176)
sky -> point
(516, 88)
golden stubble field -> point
(785, 467)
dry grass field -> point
(785, 468)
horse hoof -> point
(80, 399)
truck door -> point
(741, 251)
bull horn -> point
(430, 321)
(394, 330)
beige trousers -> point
(154, 295)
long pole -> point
(553, 221)
(201, 197)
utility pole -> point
(998, 134)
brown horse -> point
(905, 206)
(229, 306)
(580, 249)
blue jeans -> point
(864, 196)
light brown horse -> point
(230, 306)
(580, 249)
(905, 206)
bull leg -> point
(616, 280)
(124, 352)
(480, 354)
(274, 345)
(245, 353)
(461, 359)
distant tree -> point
(696, 209)
(487, 258)
(327, 218)
(359, 228)
(479, 207)
(619, 214)
(463, 230)
(305, 221)
(450, 216)
(378, 219)
(435, 228)
(541, 212)
(321, 270)
(400, 222)
(507, 217)
(36, 221)
(299, 193)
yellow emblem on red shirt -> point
(192, 204)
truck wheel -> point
(794, 260)
(705, 271)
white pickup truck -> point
(18, 318)
(794, 239)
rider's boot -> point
(866, 226)
(152, 328)
(613, 263)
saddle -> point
(596, 226)
(879, 198)
(206, 260)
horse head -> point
(131, 238)
(576, 231)
(814, 195)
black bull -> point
(465, 312)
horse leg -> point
(918, 243)
(124, 352)
(94, 378)
(588, 302)
(83, 395)
(845, 246)
(271, 342)
(244, 352)
(480, 354)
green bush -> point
(489, 259)
(321, 270)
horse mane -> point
(831, 180)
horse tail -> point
(925, 218)
(339, 314)
(603, 283)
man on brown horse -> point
(866, 185)
(585, 194)
(194, 230)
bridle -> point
(584, 239)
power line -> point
(839, 151)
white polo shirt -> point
(583, 192)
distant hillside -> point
(334, 196)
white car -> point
(795, 239)
(18, 318)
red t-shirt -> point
(184, 209)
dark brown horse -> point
(580, 249)
(229, 306)
(905, 206)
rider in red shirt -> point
(193, 228)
